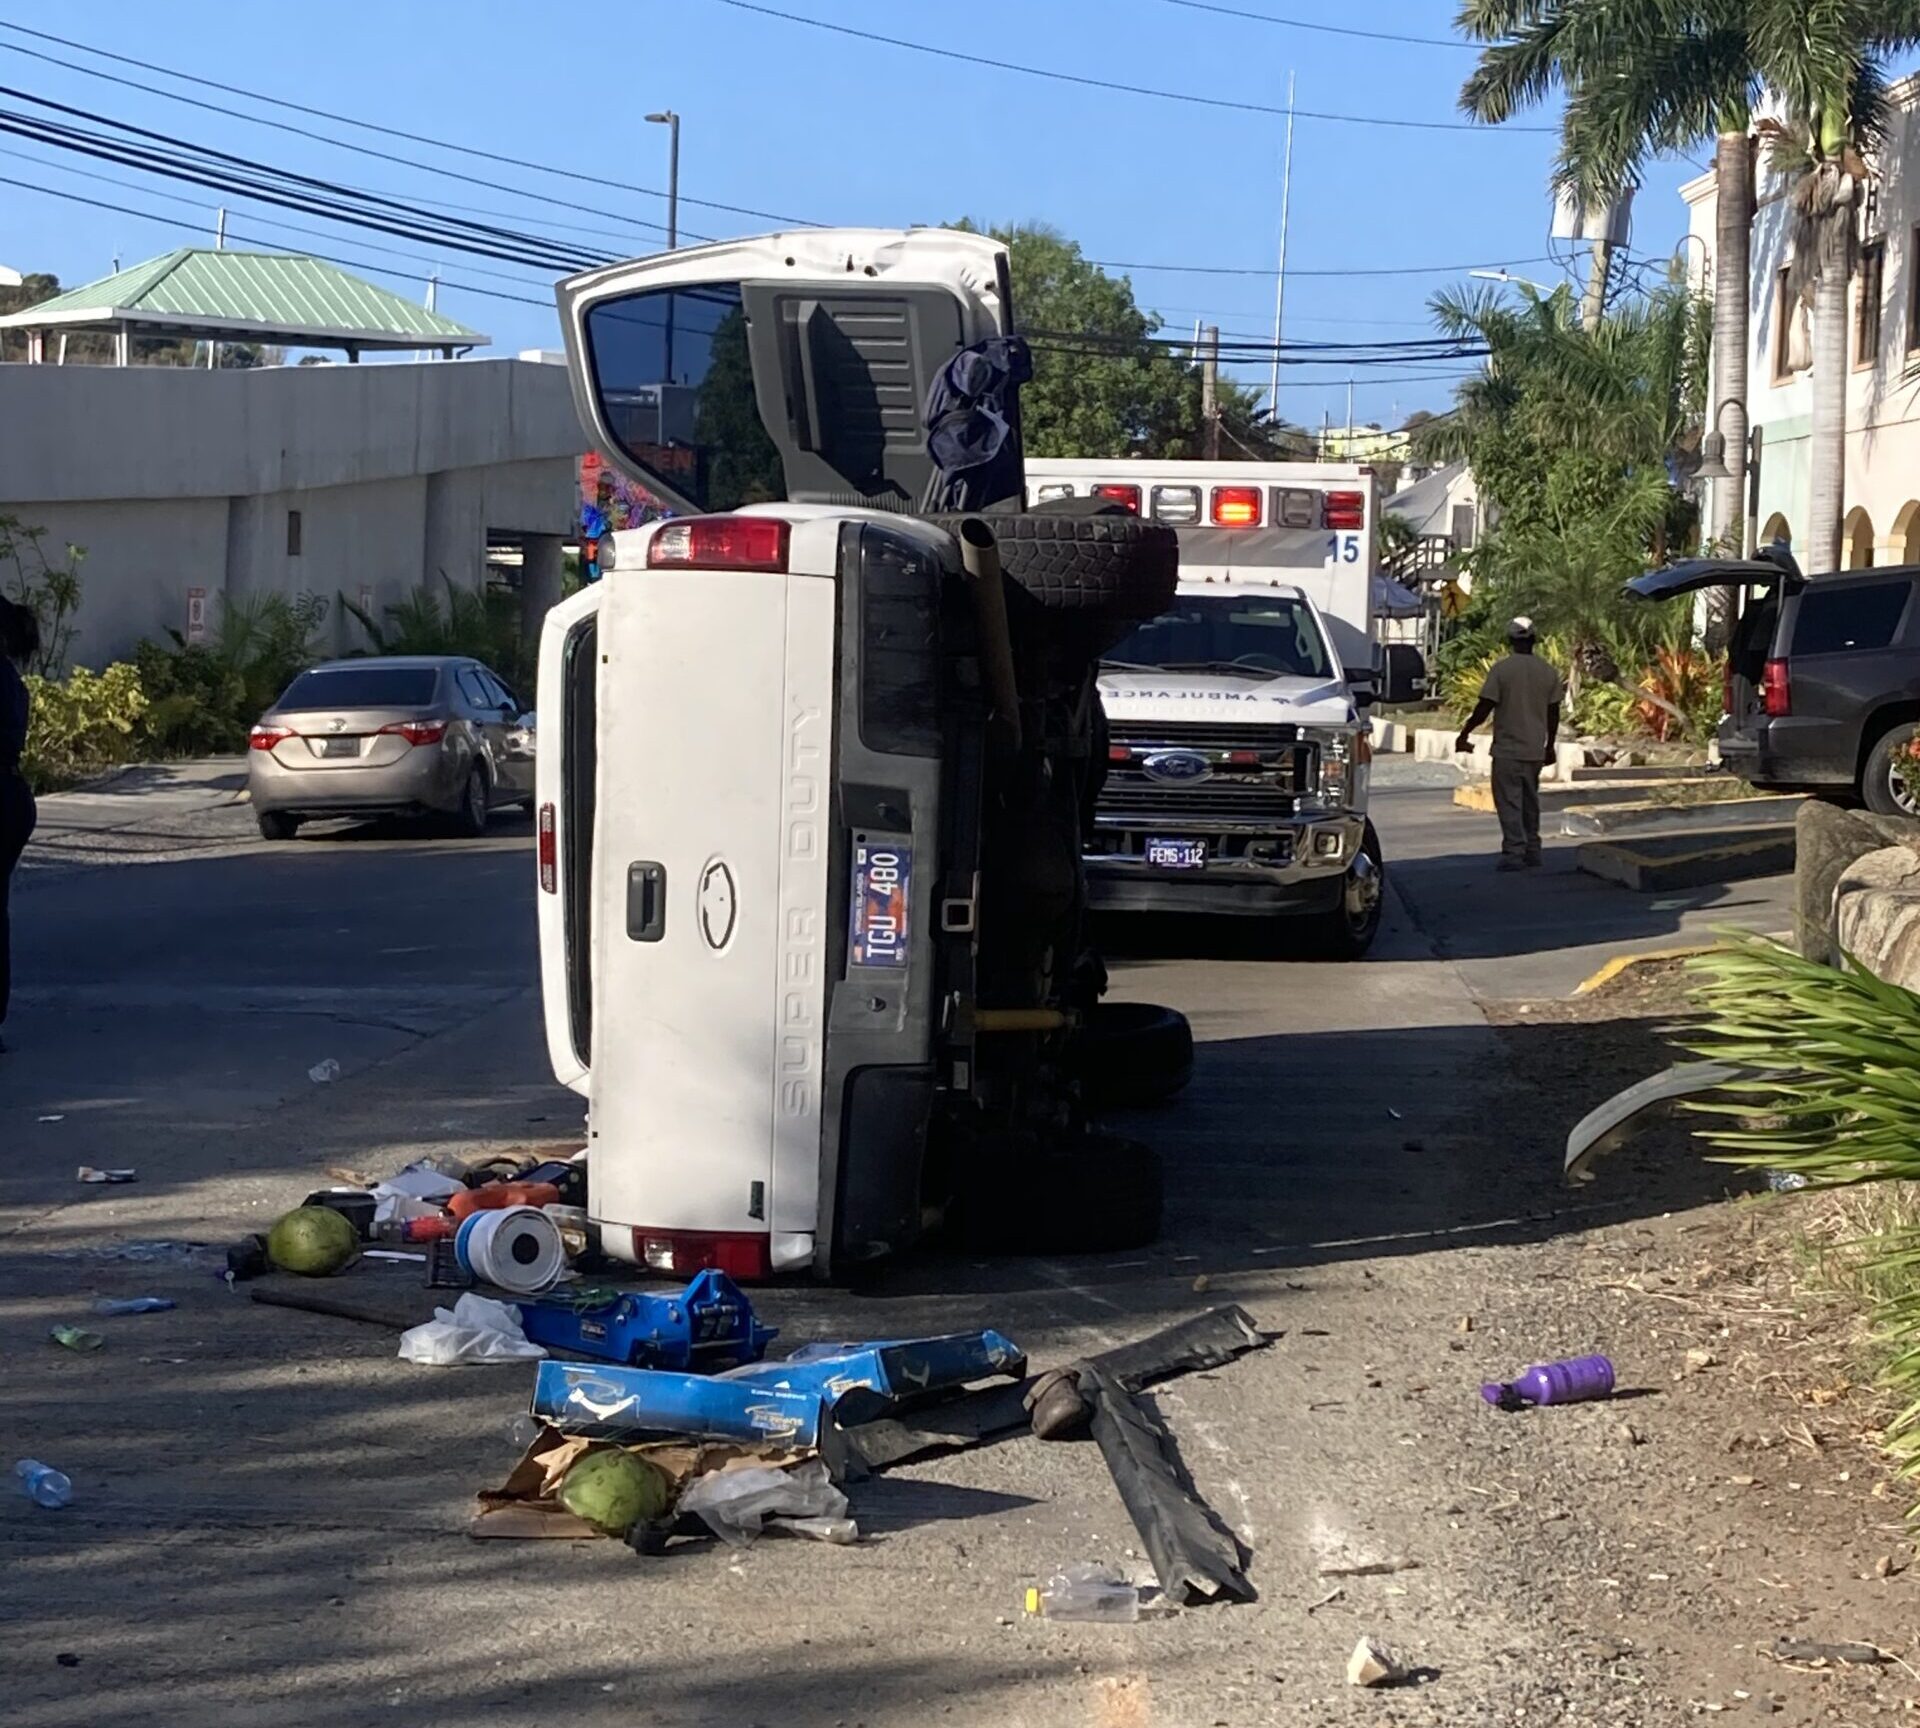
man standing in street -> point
(1523, 693)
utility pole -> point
(1599, 270)
(1210, 392)
(667, 118)
(1280, 278)
(220, 229)
(1349, 454)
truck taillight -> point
(1236, 506)
(1776, 690)
(549, 851)
(1127, 497)
(1343, 510)
(740, 1254)
(721, 543)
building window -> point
(1867, 285)
(293, 533)
(1792, 332)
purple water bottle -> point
(1570, 1382)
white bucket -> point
(516, 1248)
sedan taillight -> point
(264, 737)
(416, 731)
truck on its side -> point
(1238, 742)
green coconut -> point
(314, 1241)
(613, 1491)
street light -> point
(1504, 276)
(671, 121)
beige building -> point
(1882, 491)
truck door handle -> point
(646, 901)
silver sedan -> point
(392, 735)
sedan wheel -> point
(471, 818)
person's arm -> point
(1553, 732)
(1482, 712)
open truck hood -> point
(793, 365)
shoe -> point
(1509, 864)
(1534, 860)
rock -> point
(1827, 842)
(1876, 912)
(1373, 1664)
(1628, 1435)
(1700, 1357)
(1202, 1285)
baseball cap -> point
(1520, 630)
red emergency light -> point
(1127, 497)
(1236, 506)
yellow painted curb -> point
(1727, 849)
(1626, 962)
(1475, 795)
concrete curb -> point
(1653, 817)
(1430, 745)
(1653, 862)
(1478, 794)
(1622, 963)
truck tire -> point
(1128, 1055)
(1101, 566)
(1877, 789)
(1346, 933)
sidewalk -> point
(148, 808)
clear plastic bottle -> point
(42, 1484)
(1083, 1590)
(134, 1305)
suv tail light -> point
(739, 1254)
(1236, 506)
(721, 543)
(1343, 510)
(549, 852)
(1776, 690)
(265, 737)
(1127, 497)
(416, 731)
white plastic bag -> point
(734, 1503)
(418, 1185)
(474, 1329)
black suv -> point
(1823, 673)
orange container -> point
(497, 1194)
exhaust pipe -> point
(980, 558)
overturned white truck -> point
(817, 759)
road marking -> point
(1621, 962)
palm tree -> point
(1650, 77)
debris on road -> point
(1370, 1568)
(76, 1338)
(475, 1329)
(705, 1328)
(516, 1248)
(1373, 1664)
(1700, 1358)
(1059, 1408)
(87, 1173)
(735, 1504)
(313, 1241)
(134, 1305)
(323, 1071)
(42, 1484)
(613, 1490)
(1816, 1654)
(1577, 1380)
(1086, 1591)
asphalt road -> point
(269, 1507)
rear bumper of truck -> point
(1298, 871)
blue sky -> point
(804, 123)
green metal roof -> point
(279, 296)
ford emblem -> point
(718, 905)
(1177, 767)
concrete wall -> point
(175, 480)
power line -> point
(433, 168)
(365, 126)
(254, 239)
(251, 215)
(1323, 29)
(1269, 273)
(1188, 97)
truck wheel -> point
(1347, 932)
(1127, 1055)
(1106, 567)
(1881, 793)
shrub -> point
(203, 696)
(80, 725)
(1683, 679)
(482, 625)
(50, 591)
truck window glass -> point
(1848, 619)
(1274, 636)
(671, 370)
